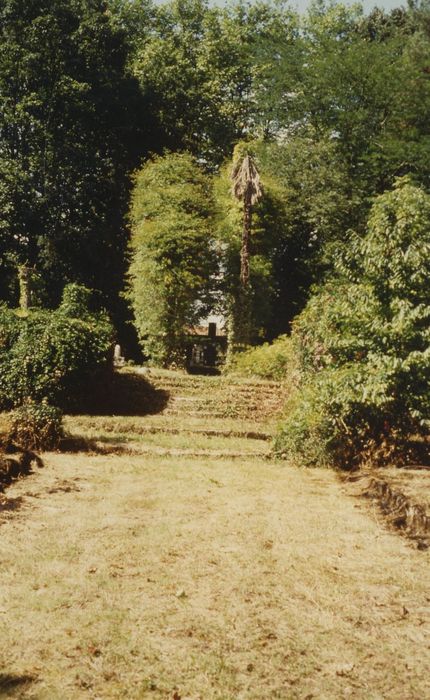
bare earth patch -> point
(167, 576)
(403, 497)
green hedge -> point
(273, 361)
(52, 356)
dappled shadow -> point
(100, 445)
(20, 464)
(126, 394)
(10, 682)
(10, 504)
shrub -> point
(36, 426)
(273, 361)
(332, 421)
(363, 345)
(76, 301)
(49, 355)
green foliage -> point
(36, 426)
(50, 355)
(206, 71)
(9, 329)
(67, 119)
(363, 344)
(273, 361)
(269, 231)
(348, 125)
(173, 269)
(76, 301)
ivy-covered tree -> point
(247, 189)
(174, 265)
(250, 292)
(67, 117)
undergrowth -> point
(362, 346)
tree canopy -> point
(67, 119)
(173, 270)
(334, 103)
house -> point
(207, 345)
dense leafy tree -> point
(311, 181)
(363, 84)
(363, 343)
(206, 72)
(173, 269)
(66, 123)
(135, 18)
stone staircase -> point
(219, 397)
(177, 414)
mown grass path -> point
(203, 570)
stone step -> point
(155, 430)
(138, 448)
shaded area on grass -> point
(100, 445)
(11, 681)
(20, 464)
(126, 394)
(10, 504)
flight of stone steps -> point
(158, 412)
(218, 397)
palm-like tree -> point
(247, 188)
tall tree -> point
(206, 72)
(247, 190)
(173, 273)
(250, 245)
(246, 187)
(66, 126)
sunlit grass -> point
(148, 576)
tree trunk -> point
(244, 251)
(24, 277)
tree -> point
(206, 73)
(66, 125)
(173, 270)
(251, 309)
(363, 343)
(246, 187)
(364, 85)
(311, 211)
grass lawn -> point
(141, 575)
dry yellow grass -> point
(160, 577)
(126, 577)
